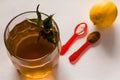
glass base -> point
(51, 76)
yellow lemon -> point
(103, 13)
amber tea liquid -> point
(32, 57)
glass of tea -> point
(32, 54)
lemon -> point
(103, 13)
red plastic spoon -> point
(92, 38)
(80, 30)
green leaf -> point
(46, 27)
(52, 36)
(48, 23)
(39, 23)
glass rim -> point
(36, 58)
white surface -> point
(100, 62)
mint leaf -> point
(39, 20)
(47, 23)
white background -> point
(100, 61)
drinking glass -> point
(32, 58)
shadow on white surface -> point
(108, 40)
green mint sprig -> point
(46, 27)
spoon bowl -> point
(79, 31)
(92, 38)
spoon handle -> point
(66, 46)
(74, 57)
